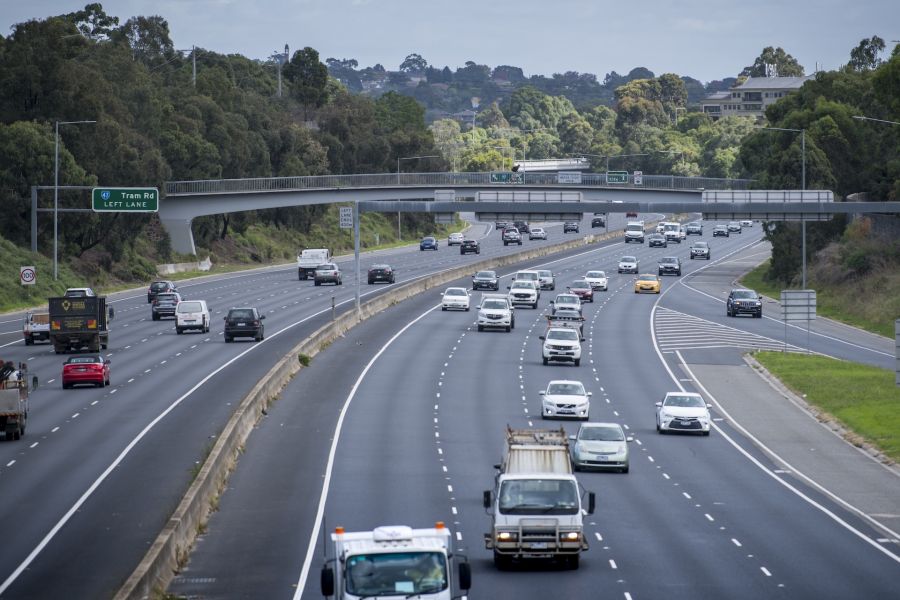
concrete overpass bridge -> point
(503, 195)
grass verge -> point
(863, 398)
(842, 303)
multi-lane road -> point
(402, 421)
(100, 470)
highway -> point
(402, 421)
(100, 470)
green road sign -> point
(617, 177)
(125, 199)
(507, 177)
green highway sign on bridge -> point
(507, 177)
(125, 199)
(617, 177)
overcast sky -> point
(708, 39)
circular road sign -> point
(27, 275)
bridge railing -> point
(389, 180)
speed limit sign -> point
(27, 275)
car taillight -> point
(256, 323)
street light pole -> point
(56, 196)
(861, 118)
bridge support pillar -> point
(180, 232)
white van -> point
(192, 314)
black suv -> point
(670, 265)
(244, 322)
(469, 246)
(522, 226)
(598, 221)
(743, 301)
(160, 287)
(485, 280)
(164, 305)
(570, 226)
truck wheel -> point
(29, 341)
(481, 328)
(228, 339)
(155, 317)
(501, 561)
(316, 283)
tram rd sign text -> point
(125, 199)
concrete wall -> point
(171, 548)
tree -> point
(508, 73)
(785, 64)
(148, 38)
(575, 133)
(414, 64)
(93, 22)
(308, 78)
(492, 116)
(865, 56)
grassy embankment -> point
(255, 247)
(864, 399)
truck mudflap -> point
(535, 544)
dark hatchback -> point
(381, 273)
(160, 287)
(468, 246)
(598, 222)
(670, 265)
(428, 243)
(244, 322)
(164, 305)
(657, 239)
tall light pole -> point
(861, 118)
(802, 133)
(56, 196)
(399, 158)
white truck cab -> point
(395, 562)
(309, 259)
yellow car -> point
(647, 283)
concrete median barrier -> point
(171, 549)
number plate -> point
(241, 324)
(539, 546)
(685, 422)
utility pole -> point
(280, 60)
(194, 61)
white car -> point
(570, 301)
(682, 232)
(455, 239)
(528, 275)
(548, 281)
(495, 311)
(561, 344)
(455, 297)
(84, 292)
(192, 314)
(597, 280)
(660, 227)
(523, 291)
(683, 411)
(600, 446)
(565, 399)
(629, 264)
(746, 223)
(537, 233)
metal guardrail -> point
(392, 180)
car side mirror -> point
(224, 318)
(542, 337)
(708, 405)
(571, 437)
(659, 404)
(582, 339)
(542, 392)
(478, 307)
(590, 393)
(486, 499)
(592, 503)
(261, 317)
(759, 297)
(465, 576)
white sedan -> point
(597, 280)
(682, 411)
(455, 297)
(455, 239)
(565, 399)
(537, 233)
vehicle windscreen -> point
(485, 275)
(628, 259)
(565, 389)
(167, 298)
(685, 401)
(545, 273)
(538, 497)
(579, 284)
(563, 334)
(634, 228)
(455, 292)
(521, 284)
(596, 274)
(326, 267)
(602, 434)
(527, 276)
(395, 573)
(745, 295)
(187, 307)
(494, 305)
(671, 227)
(701, 245)
(566, 300)
(159, 285)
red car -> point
(582, 289)
(85, 369)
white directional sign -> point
(27, 275)
(346, 217)
(568, 177)
(638, 178)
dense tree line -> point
(155, 123)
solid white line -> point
(314, 535)
(796, 491)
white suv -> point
(561, 344)
(495, 311)
(534, 276)
(192, 314)
(565, 399)
(523, 291)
